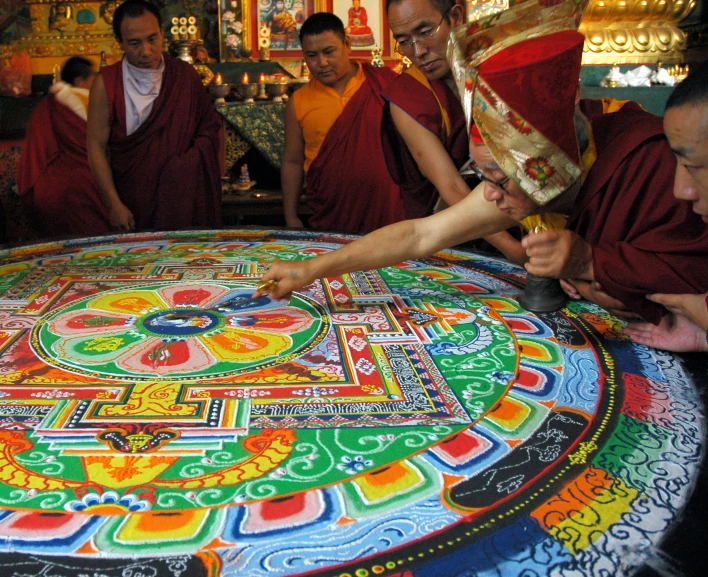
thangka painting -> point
(15, 21)
(362, 22)
(414, 421)
(283, 19)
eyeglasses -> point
(420, 37)
(470, 168)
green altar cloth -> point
(261, 125)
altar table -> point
(261, 126)
(410, 421)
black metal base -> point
(542, 295)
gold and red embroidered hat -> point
(518, 75)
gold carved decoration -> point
(634, 31)
(205, 73)
(39, 23)
(320, 6)
(234, 147)
(246, 21)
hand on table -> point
(558, 254)
(294, 222)
(592, 291)
(692, 306)
(121, 217)
(508, 246)
(675, 333)
(569, 289)
(290, 276)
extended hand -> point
(121, 217)
(558, 254)
(593, 292)
(675, 333)
(294, 222)
(691, 306)
(570, 290)
(290, 276)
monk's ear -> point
(457, 15)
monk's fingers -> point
(570, 289)
(665, 299)
(542, 268)
(691, 305)
(642, 333)
(638, 328)
(277, 283)
(539, 239)
(625, 314)
(546, 263)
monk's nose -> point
(491, 193)
(419, 49)
(684, 187)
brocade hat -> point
(517, 72)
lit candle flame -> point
(262, 78)
(219, 79)
(245, 78)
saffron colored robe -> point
(53, 175)
(167, 172)
(348, 185)
(644, 240)
(424, 104)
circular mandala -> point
(413, 418)
(180, 330)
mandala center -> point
(182, 323)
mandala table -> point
(412, 420)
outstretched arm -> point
(98, 133)
(437, 166)
(430, 156)
(291, 171)
(409, 239)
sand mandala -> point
(414, 420)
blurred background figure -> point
(53, 175)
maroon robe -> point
(348, 185)
(644, 240)
(53, 175)
(167, 172)
(419, 194)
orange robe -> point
(348, 185)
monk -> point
(686, 128)
(151, 113)
(358, 20)
(616, 191)
(424, 129)
(53, 175)
(332, 134)
(282, 22)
